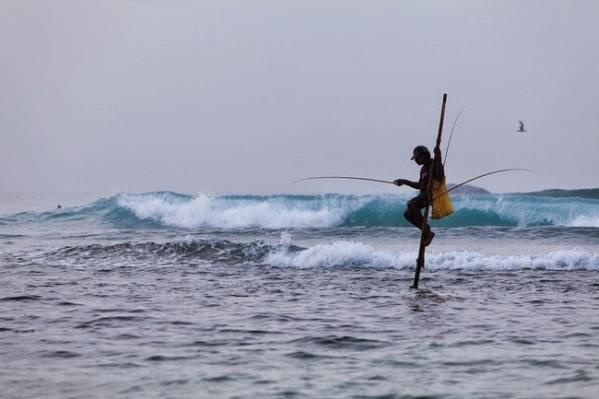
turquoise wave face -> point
(168, 209)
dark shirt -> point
(424, 175)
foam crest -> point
(523, 210)
(348, 254)
(318, 211)
(585, 221)
(231, 213)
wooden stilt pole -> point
(429, 186)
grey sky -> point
(245, 96)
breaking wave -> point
(344, 253)
(339, 254)
(168, 209)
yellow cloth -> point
(441, 202)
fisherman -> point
(413, 214)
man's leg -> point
(414, 216)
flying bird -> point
(521, 129)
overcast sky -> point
(245, 96)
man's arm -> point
(401, 182)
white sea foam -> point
(205, 211)
(327, 211)
(585, 221)
(341, 253)
(526, 211)
(347, 253)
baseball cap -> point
(420, 149)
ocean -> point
(168, 295)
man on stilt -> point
(413, 214)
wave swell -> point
(345, 253)
(339, 254)
(167, 209)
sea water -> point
(165, 295)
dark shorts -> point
(418, 201)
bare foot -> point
(429, 238)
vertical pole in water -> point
(429, 186)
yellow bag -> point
(441, 202)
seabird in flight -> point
(521, 130)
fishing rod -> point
(480, 176)
(378, 180)
(390, 182)
(343, 177)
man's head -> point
(421, 154)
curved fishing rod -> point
(451, 135)
(480, 176)
(342, 177)
(384, 181)
(390, 182)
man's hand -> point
(437, 152)
(399, 182)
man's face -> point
(419, 159)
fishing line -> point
(451, 135)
